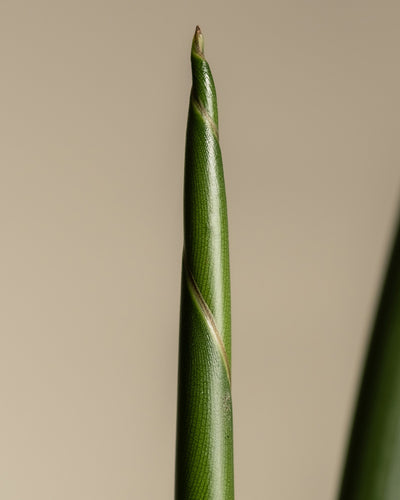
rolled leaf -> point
(372, 470)
(204, 450)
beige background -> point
(93, 100)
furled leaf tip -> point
(198, 42)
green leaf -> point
(372, 470)
(204, 452)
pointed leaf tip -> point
(198, 42)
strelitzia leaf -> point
(372, 470)
(204, 452)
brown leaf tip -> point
(198, 42)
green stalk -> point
(204, 449)
(372, 470)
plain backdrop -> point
(93, 107)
